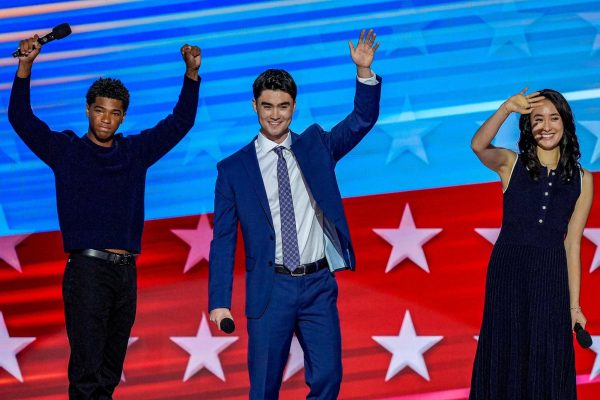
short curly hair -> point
(109, 88)
(275, 79)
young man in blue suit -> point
(282, 190)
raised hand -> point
(192, 56)
(364, 52)
(29, 48)
(522, 103)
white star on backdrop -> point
(199, 240)
(407, 349)
(206, 139)
(594, 128)
(596, 348)
(490, 234)
(9, 347)
(594, 19)
(593, 234)
(8, 244)
(131, 341)
(407, 241)
(509, 27)
(407, 134)
(204, 349)
(296, 360)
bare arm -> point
(495, 158)
(573, 246)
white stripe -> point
(59, 7)
(511, 173)
(476, 108)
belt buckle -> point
(299, 267)
(125, 259)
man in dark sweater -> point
(100, 181)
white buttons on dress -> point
(549, 183)
(553, 173)
(540, 221)
(545, 193)
(543, 207)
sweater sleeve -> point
(41, 140)
(157, 141)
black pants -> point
(100, 303)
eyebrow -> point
(541, 115)
(96, 107)
(266, 103)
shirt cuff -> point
(372, 81)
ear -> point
(294, 109)
(87, 110)
(254, 105)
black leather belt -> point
(303, 269)
(122, 259)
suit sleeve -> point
(45, 143)
(222, 247)
(349, 132)
(159, 140)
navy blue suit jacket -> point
(240, 196)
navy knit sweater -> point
(100, 190)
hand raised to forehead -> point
(364, 52)
(522, 103)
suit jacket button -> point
(270, 263)
(272, 237)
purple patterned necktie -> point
(289, 237)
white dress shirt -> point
(309, 217)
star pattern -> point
(199, 240)
(295, 362)
(596, 348)
(509, 27)
(594, 128)
(131, 341)
(407, 241)
(490, 234)
(204, 349)
(593, 234)
(9, 243)
(407, 134)
(594, 19)
(407, 349)
(9, 348)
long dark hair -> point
(569, 146)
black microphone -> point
(227, 325)
(583, 337)
(58, 32)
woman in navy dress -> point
(525, 347)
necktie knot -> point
(279, 151)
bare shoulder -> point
(587, 183)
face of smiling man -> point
(274, 109)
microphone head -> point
(227, 325)
(583, 337)
(61, 31)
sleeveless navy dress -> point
(525, 347)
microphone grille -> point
(61, 31)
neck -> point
(277, 139)
(549, 158)
(96, 140)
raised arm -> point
(35, 133)
(348, 133)
(495, 158)
(573, 245)
(159, 140)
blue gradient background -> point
(446, 66)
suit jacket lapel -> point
(251, 164)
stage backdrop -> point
(423, 211)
